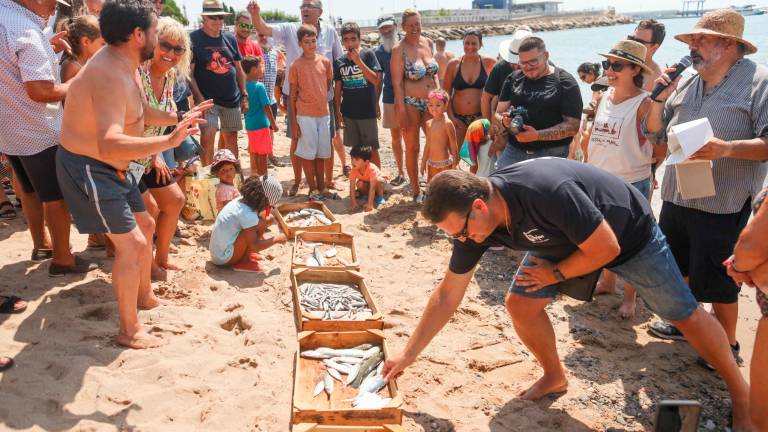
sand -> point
(230, 340)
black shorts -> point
(37, 174)
(149, 180)
(700, 242)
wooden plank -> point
(290, 231)
(335, 411)
(340, 238)
(305, 321)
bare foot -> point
(139, 340)
(544, 386)
(606, 285)
(158, 274)
(169, 266)
(627, 309)
(151, 302)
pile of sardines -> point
(318, 254)
(362, 366)
(333, 301)
(307, 217)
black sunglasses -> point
(215, 17)
(617, 67)
(637, 39)
(464, 232)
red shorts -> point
(260, 141)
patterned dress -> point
(762, 298)
(162, 102)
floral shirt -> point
(163, 103)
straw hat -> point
(509, 50)
(631, 51)
(212, 8)
(725, 23)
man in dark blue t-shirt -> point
(574, 220)
(217, 75)
(388, 38)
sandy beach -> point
(230, 338)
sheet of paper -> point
(685, 139)
(695, 180)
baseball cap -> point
(385, 21)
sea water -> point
(569, 48)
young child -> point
(85, 39)
(310, 80)
(238, 234)
(259, 120)
(365, 179)
(440, 152)
(356, 76)
(475, 150)
(225, 166)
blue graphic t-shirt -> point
(358, 95)
(214, 70)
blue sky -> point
(370, 9)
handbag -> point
(188, 149)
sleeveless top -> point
(162, 103)
(617, 144)
(460, 84)
(762, 292)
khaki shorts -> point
(388, 117)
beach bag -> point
(188, 149)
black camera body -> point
(518, 117)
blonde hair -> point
(167, 26)
(410, 12)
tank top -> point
(617, 144)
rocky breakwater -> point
(537, 24)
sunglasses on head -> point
(165, 46)
(245, 26)
(615, 66)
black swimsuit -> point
(460, 84)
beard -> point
(388, 42)
(699, 63)
(148, 51)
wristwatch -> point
(558, 274)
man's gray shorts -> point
(100, 198)
(223, 118)
(361, 132)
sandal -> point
(8, 213)
(347, 170)
(5, 363)
(294, 190)
(8, 306)
(41, 254)
(397, 181)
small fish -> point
(312, 262)
(353, 373)
(372, 384)
(371, 352)
(328, 383)
(335, 374)
(380, 369)
(324, 220)
(319, 256)
(349, 353)
(330, 253)
(313, 354)
(318, 388)
(370, 401)
(363, 347)
(348, 360)
(333, 365)
(366, 367)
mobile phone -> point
(678, 416)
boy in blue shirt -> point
(259, 119)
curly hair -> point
(79, 27)
(253, 195)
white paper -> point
(695, 179)
(685, 139)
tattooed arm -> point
(567, 128)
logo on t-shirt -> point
(535, 236)
(219, 64)
(607, 130)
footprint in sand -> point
(101, 313)
(235, 323)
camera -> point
(518, 115)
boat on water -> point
(748, 10)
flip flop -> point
(8, 364)
(8, 213)
(294, 190)
(8, 305)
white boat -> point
(747, 10)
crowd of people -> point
(111, 102)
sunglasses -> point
(215, 17)
(308, 6)
(245, 26)
(166, 47)
(637, 39)
(464, 231)
(615, 66)
(532, 63)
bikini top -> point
(460, 84)
(416, 71)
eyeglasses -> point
(582, 77)
(532, 63)
(308, 6)
(166, 47)
(245, 26)
(464, 231)
(215, 17)
(637, 39)
(615, 66)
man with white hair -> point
(388, 38)
(328, 44)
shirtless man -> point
(442, 57)
(102, 145)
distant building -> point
(492, 4)
(542, 7)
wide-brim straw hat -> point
(724, 23)
(509, 49)
(631, 51)
(213, 8)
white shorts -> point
(315, 140)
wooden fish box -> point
(290, 231)
(305, 320)
(320, 413)
(339, 239)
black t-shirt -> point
(358, 95)
(547, 100)
(555, 204)
(215, 71)
(498, 75)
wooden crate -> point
(305, 321)
(322, 414)
(343, 239)
(291, 231)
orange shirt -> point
(311, 79)
(371, 173)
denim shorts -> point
(644, 186)
(654, 274)
(513, 154)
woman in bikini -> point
(414, 75)
(465, 79)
